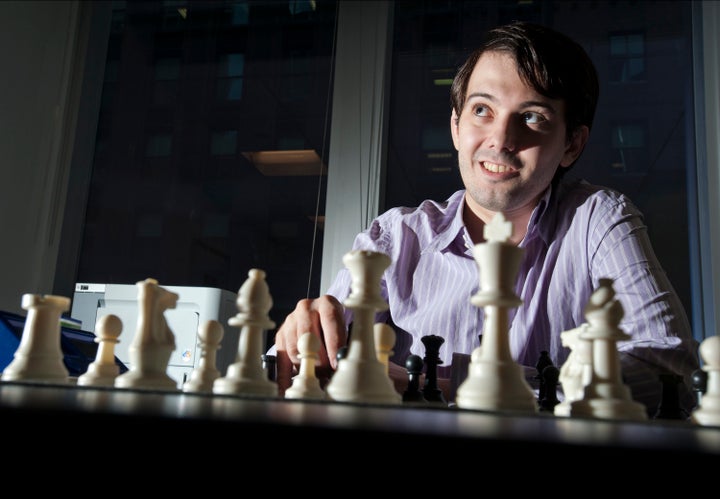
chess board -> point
(58, 414)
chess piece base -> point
(305, 387)
(148, 366)
(608, 409)
(496, 386)
(36, 368)
(245, 386)
(99, 375)
(201, 381)
(708, 414)
(244, 380)
(358, 380)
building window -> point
(628, 143)
(230, 77)
(627, 57)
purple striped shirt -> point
(576, 236)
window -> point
(261, 76)
(628, 143)
(627, 57)
(190, 85)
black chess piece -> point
(550, 376)
(699, 384)
(269, 363)
(431, 392)
(414, 365)
(543, 361)
(669, 407)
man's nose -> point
(503, 133)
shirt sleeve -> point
(661, 340)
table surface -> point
(69, 408)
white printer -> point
(194, 307)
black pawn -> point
(269, 363)
(431, 392)
(669, 407)
(699, 384)
(543, 362)
(414, 366)
(550, 377)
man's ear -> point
(575, 146)
(454, 123)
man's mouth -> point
(496, 168)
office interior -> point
(190, 141)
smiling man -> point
(523, 104)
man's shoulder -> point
(428, 209)
(580, 192)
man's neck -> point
(475, 221)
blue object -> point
(79, 347)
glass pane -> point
(655, 175)
(193, 90)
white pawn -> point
(246, 375)
(204, 375)
(708, 412)
(39, 357)
(103, 370)
(384, 343)
(306, 385)
(606, 396)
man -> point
(522, 108)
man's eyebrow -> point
(530, 103)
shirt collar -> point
(540, 219)
(451, 231)
(454, 234)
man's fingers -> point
(332, 322)
(283, 365)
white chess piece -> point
(153, 342)
(576, 372)
(201, 379)
(246, 375)
(384, 342)
(103, 370)
(495, 381)
(708, 412)
(39, 356)
(606, 396)
(360, 376)
(306, 385)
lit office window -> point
(627, 57)
(230, 77)
(174, 14)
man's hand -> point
(322, 317)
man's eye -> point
(533, 118)
(480, 111)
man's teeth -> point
(495, 168)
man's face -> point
(509, 138)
